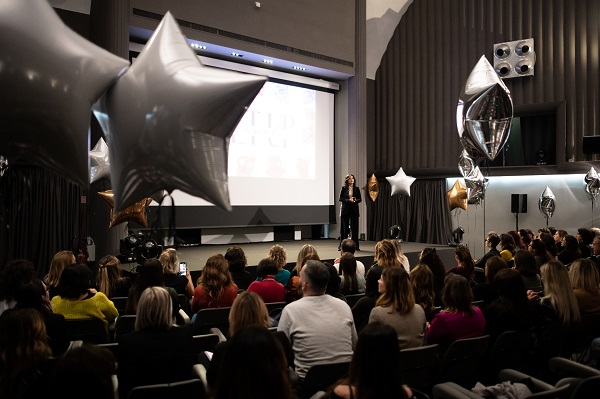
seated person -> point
(182, 284)
(216, 288)
(267, 288)
(279, 255)
(585, 280)
(157, 351)
(236, 258)
(491, 243)
(352, 282)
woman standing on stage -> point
(350, 197)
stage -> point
(196, 256)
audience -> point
(320, 328)
(558, 238)
(352, 282)
(34, 295)
(267, 288)
(585, 281)
(549, 243)
(377, 345)
(385, 256)
(529, 271)
(459, 319)
(519, 244)
(465, 264)
(59, 261)
(157, 351)
(485, 291)
(24, 354)
(511, 311)
(292, 292)
(236, 259)
(348, 246)
(431, 258)
(422, 281)
(570, 250)
(507, 243)
(585, 237)
(253, 367)
(526, 236)
(279, 255)
(305, 251)
(216, 288)
(149, 274)
(78, 301)
(396, 307)
(13, 274)
(182, 284)
(109, 280)
(538, 249)
(86, 371)
(491, 242)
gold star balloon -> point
(134, 213)
(373, 187)
(457, 196)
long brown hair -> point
(248, 309)
(109, 274)
(398, 293)
(421, 278)
(215, 276)
(385, 254)
(59, 261)
(348, 269)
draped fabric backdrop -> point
(424, 216)
(39, 215)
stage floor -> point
(196, 256)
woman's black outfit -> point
(349, 213)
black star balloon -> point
(168, 121)
(50, 77)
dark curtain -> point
(424, 216)
(39, 215)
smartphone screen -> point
(182, 267)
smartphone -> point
(182, 267)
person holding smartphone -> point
(182, 283)
(350, 198)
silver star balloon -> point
(50, 77)
(100, 165)
(547, 202)
(476, 186)
(400, 182)
(168, 121)
(592, 184)
(484, 113)
(466, 164)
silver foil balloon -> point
(476, 186)
(592, 184)
(466, 164)
(99, 163)
(168, 121)
(3, 165)
(547, 202)
(400, 182)
(50, 77)
(484, 113)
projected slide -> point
(281, 153)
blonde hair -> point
(306, 250)
(59, 261)
(279, 255)
(558, 292)
(584, 275)
(215, 276)
(401, 257)
(169, 261)
(248, 309)
(108, 274)
(154, 309)
(385, 254)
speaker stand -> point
(517, 220)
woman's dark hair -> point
(457, 295)
(348, 269)
(253, 353)
(236, 258)
(493, 265)
(377, 344)
(539, 250)
(30, 295)
(493, 239)
(587, 235)
(525, 264)
(507, 242)
(267, 267)
(518, 240)
(347, 178)
(149, 274)
(466, 261)
(74, 281)
(431, 258)
(572, 245)
(334, 285)
(13, 274)
(549, 242)
(524, 233)
(509, 284)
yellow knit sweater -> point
(98, 306)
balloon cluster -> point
(483, 118)
(547, 203)
(165, 111)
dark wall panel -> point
(437, 44)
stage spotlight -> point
(148, 250)
(396, 232)
(457, 236)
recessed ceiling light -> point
(267, 61)
(198, 46)
(299, 68)
(236, 54)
